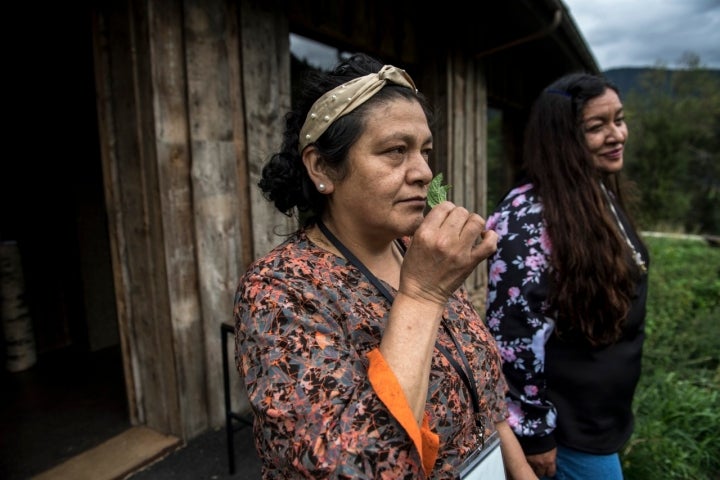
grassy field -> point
(677, 404)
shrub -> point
(677, 404)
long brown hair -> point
(593, 276)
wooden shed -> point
(155, 118)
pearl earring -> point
(321, 187)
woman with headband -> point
(361, 353)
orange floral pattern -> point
(306, 322)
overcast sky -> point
(641, 33)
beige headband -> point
(347, 97)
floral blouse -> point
(551, 399)
(308, 326)
(517, 283)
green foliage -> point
(684, 287)
(437, 192)
(677, 404)
(673, 151)
(676, 435)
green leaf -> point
(437, 192)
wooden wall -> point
(467, 148)
(190, 96)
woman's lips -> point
(613, 154)
(415, 201)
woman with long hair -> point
(568, 285)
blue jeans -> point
(575, 465)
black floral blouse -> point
(561, 392)
(308, 326)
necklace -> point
(636, 255)
(464, 371)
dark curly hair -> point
(594, 277)
(285, 181)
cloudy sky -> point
(641, 33)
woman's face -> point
(384, 193)
(605, 131)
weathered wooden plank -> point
(139, 271)
(151, 322)
(212, 45)
(175, 213)
(458, 114)
(265, 41)
(479, 189)
(468, 158)
(432, 81)
(237, 105)
(239, 401)
(103, 31)
(134, 206)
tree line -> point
(673, 152)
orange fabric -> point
(388, 389)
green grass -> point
(677, 404)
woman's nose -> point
(618, 133)
(420, 170)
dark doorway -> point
(72, 397)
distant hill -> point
(628, 79)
